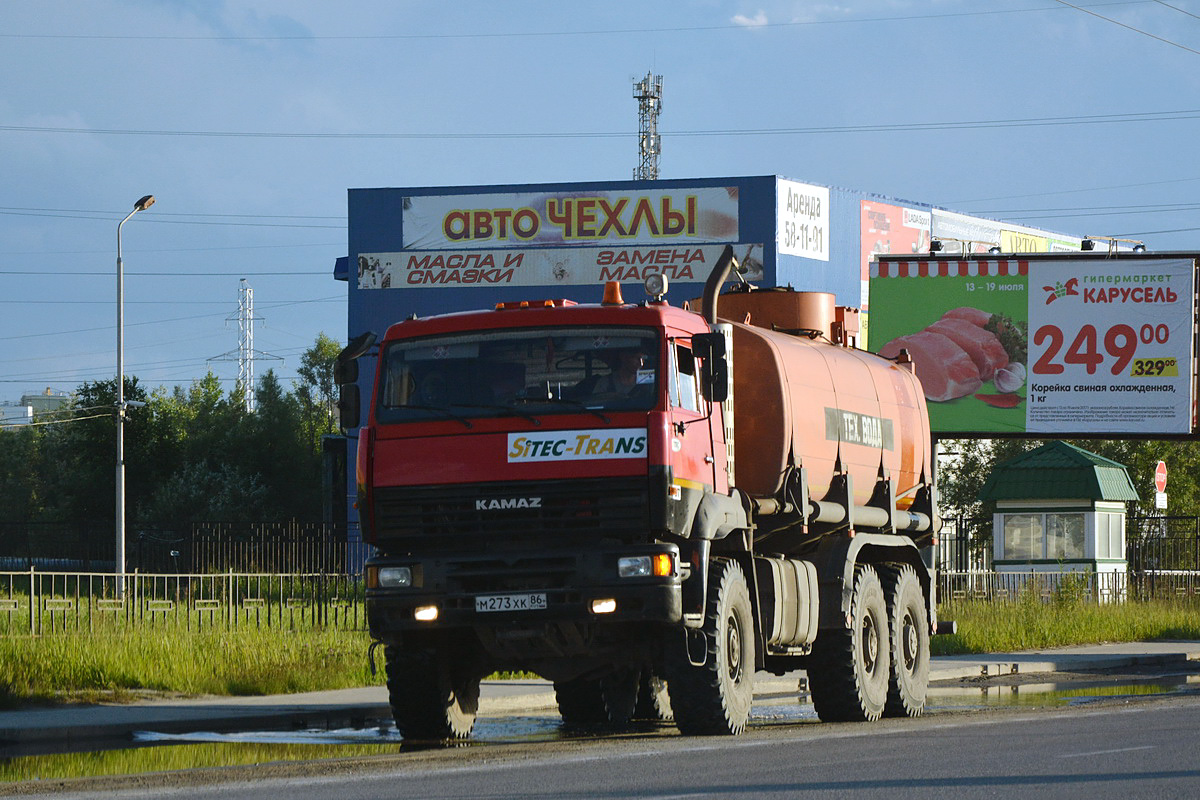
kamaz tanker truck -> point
(645, 505)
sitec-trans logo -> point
(1061, 289)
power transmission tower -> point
(648, 93)
(245, 354)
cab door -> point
(692, 454)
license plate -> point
(510, 602)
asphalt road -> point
(1116, 748)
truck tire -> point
(908, 628)
(849, 670)
(598, 702)
(580, 703)
(715, 698)
(429, 699)
(654, 701)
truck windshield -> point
(519, 373)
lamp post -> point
(140, 205)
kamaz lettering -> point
(507, 503)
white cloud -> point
(757, 21)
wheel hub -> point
(911, 644)
(733, 648)
(870, 643)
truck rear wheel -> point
(653, 701)
(592, 702)
(909, 635)
(849, 670)
(715, 698)
(580, 703)
(430, 700)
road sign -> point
(1160, 476)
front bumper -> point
(570, 580)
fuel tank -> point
(802, 401)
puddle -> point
(151, 751)
(1065, 693)
(159, 752)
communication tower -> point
(648, 93)
(245, 354)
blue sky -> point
(250, 120)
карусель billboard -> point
(1043, 344)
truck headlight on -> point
(661, 565)
(395, 577)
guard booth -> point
(1060, 510)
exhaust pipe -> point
(712, 287)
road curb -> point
(1038, 663)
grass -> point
(161, 758)
(124, 665)
(1029, 623)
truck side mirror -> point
(714, 372)
(714, 379)
(357, 347)
(345, 372)
(348, 406)
(345, 375)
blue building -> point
(432, 250)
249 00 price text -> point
(1090, 349)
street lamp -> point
(140, 205)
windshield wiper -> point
(510, 408)
(575, 404)
(442, 411)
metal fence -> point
(34, 603)
(965, 544)
(187, 548)
(1162, 543)
(1104, 587)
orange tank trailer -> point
(806, 398)
(804, 402)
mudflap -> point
(697, 646)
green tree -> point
(275, 449)
(196, 452)
(202, 493)
(316, 391)
(82, 450)
(970, 462)
(20, 469)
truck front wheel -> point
(849, 670)
(909, 628)
(715, 698)
(430, 699)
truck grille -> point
(504, 517)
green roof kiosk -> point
(1061, 509)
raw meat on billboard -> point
(957, 354)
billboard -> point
(549, 218)
(546, 266)
(803, 220)
(1046, 344)
(552, 237)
